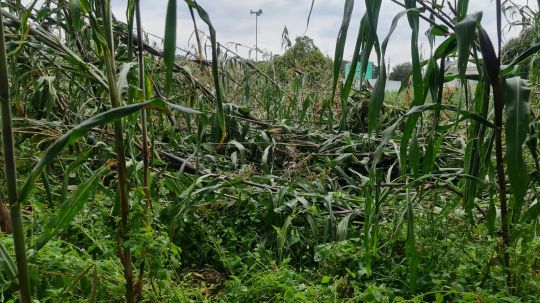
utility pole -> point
(257, 14)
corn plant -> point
(11, 175)
(464, 36)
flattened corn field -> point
(134, 171)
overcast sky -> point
(233, 23)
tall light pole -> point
(257, 14)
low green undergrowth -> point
(225, 253)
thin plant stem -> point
(505, 229)
(145, 144)
(125, 253)
(142, 87)
(499, 107)
(11, 175)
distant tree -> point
(400, 71)
(516, 46)
(302, 58)
(376, 71)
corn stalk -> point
(11, 174)
(145, 144)
(125, 253)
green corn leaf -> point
(122, 82)
(342, 229)
(350, 77)
(309, 15)
(215, 69)
(516, 93)
(371, 39)
(83, 157)
(47, 187)
(532, 213)
(465, 35)
(431, 154)
(329, 231)
(418, 84)
(462, 9)
(43, 36)
(75, 11)
(241, 149)
(174, 107)
(72, 136)
(389, 132)
(25, 26)
(7, 264)
(414, 154)
(70, 208)
(367, 40)
(491, 60)
(436, 87)
(197, 36)
(446, 48)
(130, 16)
(412, 254)
(47, 96)
(473, 163)
(267, 159)
(433, 80)
(377, 97)
(310, 219)
(438, 107)
(149, 87)
(78, 131)
(85, 6)
(282, 234)
(438, 30)
(340, 47)
(169, 43)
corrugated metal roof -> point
(452, 68)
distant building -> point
(357, 75)
(452, 69)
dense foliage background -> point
(135, 173)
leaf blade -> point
(517, 127)
(169, 43)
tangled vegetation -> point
(139, 174)
(400, 72)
